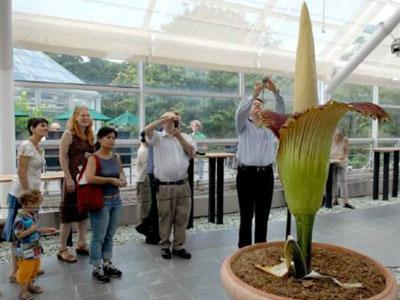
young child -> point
(27, 243)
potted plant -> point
(303, 161)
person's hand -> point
(70, 185)
(34, 228)
(176, 132)
(123, 182)
(258, 88)
(115, 181)
(48, 230)
(269, 85)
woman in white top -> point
(339, 155)
(30, 165)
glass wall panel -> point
(123, 108)
(190, 79)
(390, 129)
(284, 84)
(217, 115)
(359, 155)
(52, 104)
(390, 96)
(356, 125)
(353, 93)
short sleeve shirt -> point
(34, 170)
(170, 160)
(28, 247)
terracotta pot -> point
(240, 290)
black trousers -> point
(255, 187)
(152, 219)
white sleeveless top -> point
(34, 170)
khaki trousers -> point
(173, 213)
(143, 196)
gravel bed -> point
(127, 233)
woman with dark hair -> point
(105, 221)
(76, 144)
(30, 165)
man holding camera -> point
(255, 156)
(172, 151)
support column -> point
(7, 131)
(375, 132)
(142, 108)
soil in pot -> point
(347, 268)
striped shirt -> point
(256, 145)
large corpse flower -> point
(305, 143)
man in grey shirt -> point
(255, 155)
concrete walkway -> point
(373, 231)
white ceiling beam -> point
(351, 30)
(384, 30)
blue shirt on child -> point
(27, 247)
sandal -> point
(69, 258)
(82, 250)
(40, 272)
(25, 296)
(12, 278)
(35, 289)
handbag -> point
(89, 196)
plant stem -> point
(304, 224)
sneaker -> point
(166, 253)
(348, 205)
(112, 271)
(182, 253)
(100, 275)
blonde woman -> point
(76, 144)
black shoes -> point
(166, 253)
(182, 253)
(348, 205)
(100, 275)
(112, 271)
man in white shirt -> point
(172, 152)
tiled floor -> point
(374, 232)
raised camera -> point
(176, 123)
(265, 79)
(395, 47)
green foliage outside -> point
(216, 113)
(22, 104)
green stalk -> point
(304, 224)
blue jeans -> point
(104, 224)
(13, 207)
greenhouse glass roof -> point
(37, 66)
(240, 35)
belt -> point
(254, 168)
(179, 182)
